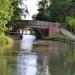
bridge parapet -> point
(35, 23)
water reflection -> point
(7, 65)
(58, 64)
(55, 58)
(26, 64)
(26, 61)
(27, 42)
(42, 65)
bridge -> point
(36, 23)
(43, 27)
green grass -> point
(58, 36)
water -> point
(41, 58)
(27, 42)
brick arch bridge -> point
(42, 26)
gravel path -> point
(68, 33)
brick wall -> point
(54, 30)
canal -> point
(38, 57)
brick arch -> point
(38, 34)
(41, 32)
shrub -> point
(5, 40)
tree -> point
(42, 11)
(56, 11)
(71, 23)
(6, 12)
(18, 11)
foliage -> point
(71, 22)
(33, 31)
(6, 11)
(18, 11)
(42, 11)
(5, 40)
(57, 36)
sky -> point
(32, 8)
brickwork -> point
(54, 30)
(52, 27)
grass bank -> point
(60, 37)
(5, 41)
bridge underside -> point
(41, 32)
